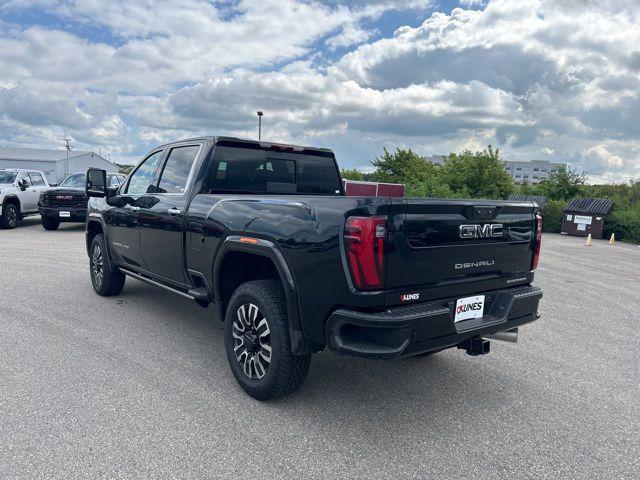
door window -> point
(114, 181)
(176, 169)
(142, 180)
(25, 179)
(36, 179)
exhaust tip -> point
(506, 336)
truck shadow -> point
(402, 394)
(341, 392)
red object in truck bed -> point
(353, 188)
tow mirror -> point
(96, 185)
(23, 185)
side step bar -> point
(199, 295)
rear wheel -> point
(257, 341)
(49, 223)
(9, 217)
(106, 279)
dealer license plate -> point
(469, 307)
(65, 214)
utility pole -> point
(259, 112)
(68, 149)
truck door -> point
(29, 196)
(38, 184)
(122, 220)
(162, 215)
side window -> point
(143, 177)
(176, 169)
(114, 181)
(36, 179)
(25, 179)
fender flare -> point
(265, 248)
(97, 218)
(13, 196)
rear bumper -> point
(76, 214)
(426, 327)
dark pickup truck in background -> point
(67, 202)
(265, 233)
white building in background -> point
(437, 159)
(532, 171)
(53, 163)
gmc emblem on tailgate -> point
(486, 230)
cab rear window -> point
(245, 170)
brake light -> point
(536, 251)
(364, 238)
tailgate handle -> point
(483, 211)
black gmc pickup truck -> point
(265, 233)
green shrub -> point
(351, 174)
(552, 222)
(433, 188)
(625, 223)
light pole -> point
(68, 149)
(259, 112)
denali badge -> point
(487, 230)
(481, 263)
(409, 296)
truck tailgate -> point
(440, 248)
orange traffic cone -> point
(612, 240)
(588, 243)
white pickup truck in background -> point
(19, 194)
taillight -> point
(364, 238)
(536, 251)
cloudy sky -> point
(539, 79)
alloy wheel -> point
(12, 216)
(252, 341)
(97, 265)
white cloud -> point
(611, 157)
(350, 35)
(535, 77)
(473, 3)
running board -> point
(157, 284)
(199, 294)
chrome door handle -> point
(135, 209)
(174, 211)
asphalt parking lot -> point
(138, 385)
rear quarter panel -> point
(306, 229)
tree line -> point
(482, 174)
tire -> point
(256, 321)
(49, 223)
(107, 281)
(10, 216)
